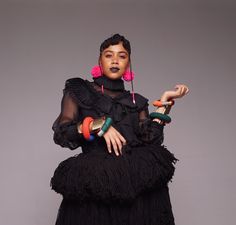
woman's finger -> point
(119, 144)
(182, 91)
(114, 145)
(185, 90)
(108, 142)
(114, 140)
(122, 139)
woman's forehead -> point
(116, 48)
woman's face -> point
(114, 61)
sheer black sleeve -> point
(150, 131)
(65, 126)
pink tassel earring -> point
(129, 76)
(97, 72)
(133, 98)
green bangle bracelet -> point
(107, 124)
(163, 117)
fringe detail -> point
(105, 177)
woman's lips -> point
(114, 69)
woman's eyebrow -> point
(123, 52)
(110, 51)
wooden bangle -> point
(86, 127)
(107, 124)
(159, 103)
(162, 117)
(105, 127)
(97, 125)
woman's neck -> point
(115, 85)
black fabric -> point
(115, 85)
(96, 178)
(150, 208)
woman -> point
(121, 177)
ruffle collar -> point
(88, 97)
(115, 85)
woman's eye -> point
(123, 56)
(108, 56)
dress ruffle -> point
(87, 97)
(105, 177)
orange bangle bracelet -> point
(159, 103)
(86, 127)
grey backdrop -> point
(44, 43)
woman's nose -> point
(115, 59)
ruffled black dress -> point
(98, 187)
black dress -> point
(98, 187)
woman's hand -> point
(114, 139)
(180, 91)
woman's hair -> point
(114, 40)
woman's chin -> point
(113, 76)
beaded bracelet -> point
(105, 127)
(163, 117)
